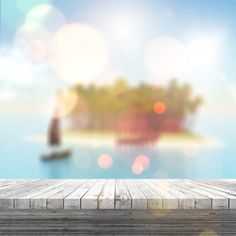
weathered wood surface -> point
(118, 222)
(118, 207)
(117, 194)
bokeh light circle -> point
(64, 102)
(32, 40)
(78, 53)
(67, 101)
(47, 15)
(159, 107)
(104, 161)
(137, 168)
(143, 160)
(25, 5)
(165, 57)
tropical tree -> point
(101, 106)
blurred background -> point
(138, 88)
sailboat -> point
(54, 139)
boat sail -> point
(54, 132)
(55, 139)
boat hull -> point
(57, 154)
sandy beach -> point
(167, 141)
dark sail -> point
(54, 135)
(54, 138)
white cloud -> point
(18, 72)
(25, 87)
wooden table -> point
(141, 206)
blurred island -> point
(133, 114)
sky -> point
(142, 40)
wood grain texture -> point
(122, 196)
(118, 222)
(117, 194)
(56, 201)
(106, 199)
(139, 200)
(218, 201)
(169, 201)
(73, 200)
(90, 199)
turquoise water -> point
(19, 157)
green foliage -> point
(104, 104)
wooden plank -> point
(117, 194)
(201, 201)
(119, 222)
(228, 180)
(8, 183)
(122, 196)
(16, 187)
(154, 201)
(230, 195)
(218, 202)
(226, 185)
(3, 181)
(106, 200)
(73, 200)
(56, 201)
(90, 199)
(130, 214)
(139, 200)
(23, 200)
(223, 187)
(169, 201)
(185, 201)
(40, 201)
(7, 195)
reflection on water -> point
(19, 158)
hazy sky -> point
(138, 34)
